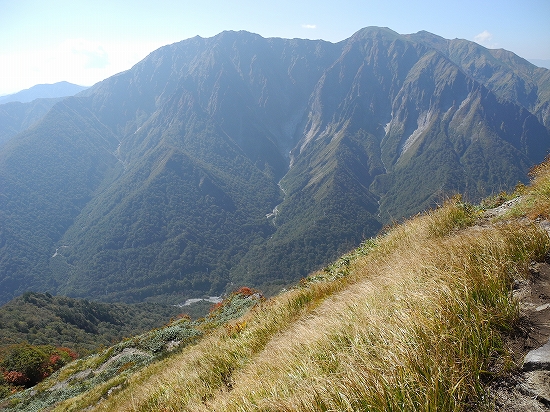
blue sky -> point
(84, 42)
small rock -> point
(538, 359)
(538, 382)
(173, 344)
(545, 224)
(542, 307)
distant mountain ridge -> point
(16, 117)
(41, 91)
(21, 110)
(237, 159)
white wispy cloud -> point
(309, 26)
(91, 55)
(485, 39)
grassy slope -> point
(412, 320)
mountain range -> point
(43, 91)
(240, 160)
(21, 110)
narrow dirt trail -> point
(527, 389)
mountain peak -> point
(429, 39)
(374, 31)
(227, 160)
(236, 35)
(59, 89)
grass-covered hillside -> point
(414, 319)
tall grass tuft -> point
(537, 202)
(454, 215)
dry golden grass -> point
(537, 203)
(417, 333)
(415, 324)
(203, 369)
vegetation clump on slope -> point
(23, 365)
(412, 320)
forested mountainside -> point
(81, 325)
(238, 159)
(16, 117)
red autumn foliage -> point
(246, 291)
(54, 359)
(216, 306)
(24, 365)
(73, 355)
(15, 378)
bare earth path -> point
(528, 389)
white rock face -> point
(538, 359)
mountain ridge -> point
(190, 149)
(41, 91)
(16, 117)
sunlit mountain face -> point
(240, 160)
